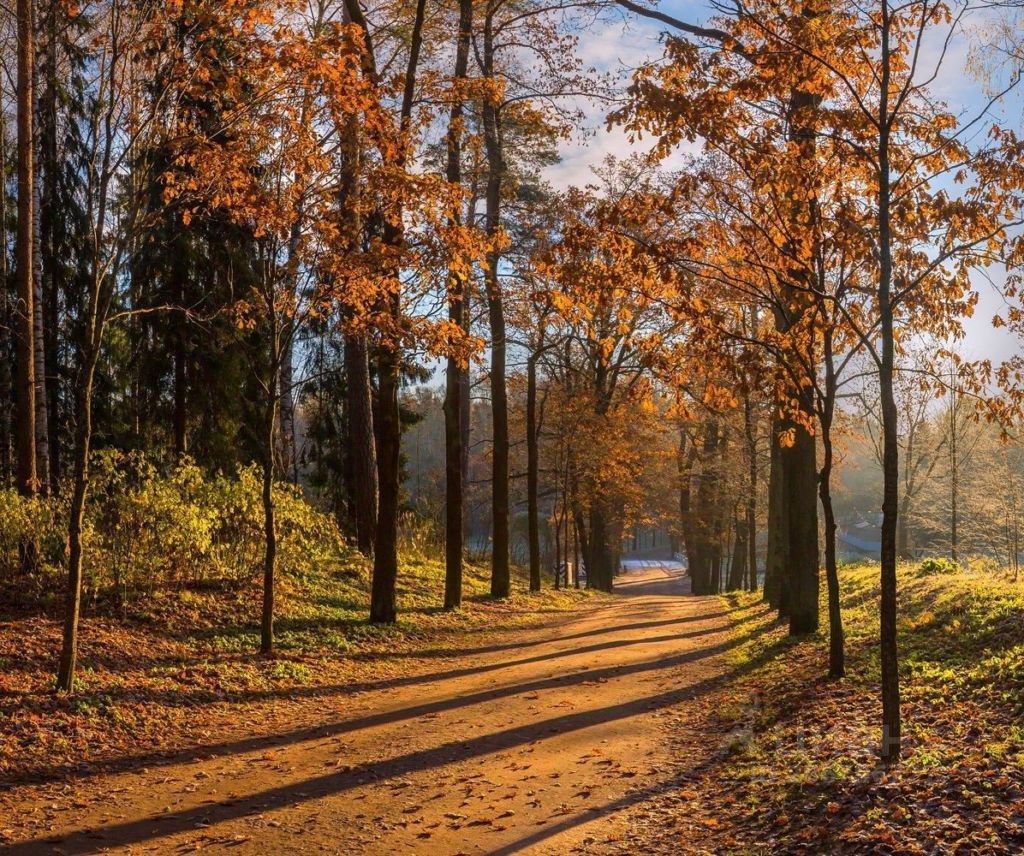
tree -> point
(124, 118)
(458, 313)
(24, 252)
(611, 301)
(904, 145)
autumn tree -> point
(132, 92)
(907, 148)
(611, 299)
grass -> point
(805, 776)
(173, 669)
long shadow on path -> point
(319, 787)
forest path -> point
(540, 743)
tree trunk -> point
(180, 418)
(777, 556)
(836, 645)
(289, 453)
(289, 457)
(269, 524)
(750, 429)
(703, 570)
(687, 525)
(599, 569)
(6, 381)
(802, 502)
(582, 539)
(42, 420)
(500, 574)
(79, 494)
(49, 213)
(454, 497)
(362, 464)
(738, 565)
(383, 608)
(954, 474)
(455, 460)
(575, 552)
(903, 549)
(533, 472)
(891, 724)
(26, 377)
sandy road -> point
(541, 742)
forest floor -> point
(799, 772)
(539, 739)
(642, 723)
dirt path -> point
(539, 743)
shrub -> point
(938, 566)
(146, 531)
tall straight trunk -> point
(6, 381)
(289, 457)
(455, 460)
(582, 538)
(750, 433)
(800, 581)
(903, 549)
(600, 570)
(687, 527)
(269, 523)
(454, 512)
(703, 569)
(954, 473)
(362, 464)
(180, 415)
(51, 297)
(751, 509)
(533, 472)
(891, 722)
(388, 424)
(738, 564)
(50, 159)
(180, 353)
(836, 645)
(383, 609)
(286, 416)
(558, 548)
(26, 376)
(500, 574)
(76, 519)
(361, 452)
(777, 556)
(566, 527)
(575, 552)
(802, 501)
(42, 420)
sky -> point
(619, 44)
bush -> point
(938, 566)
(146, 531)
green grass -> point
(808, 774)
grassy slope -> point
(798, 772)
(178, 669)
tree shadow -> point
(337, 782)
